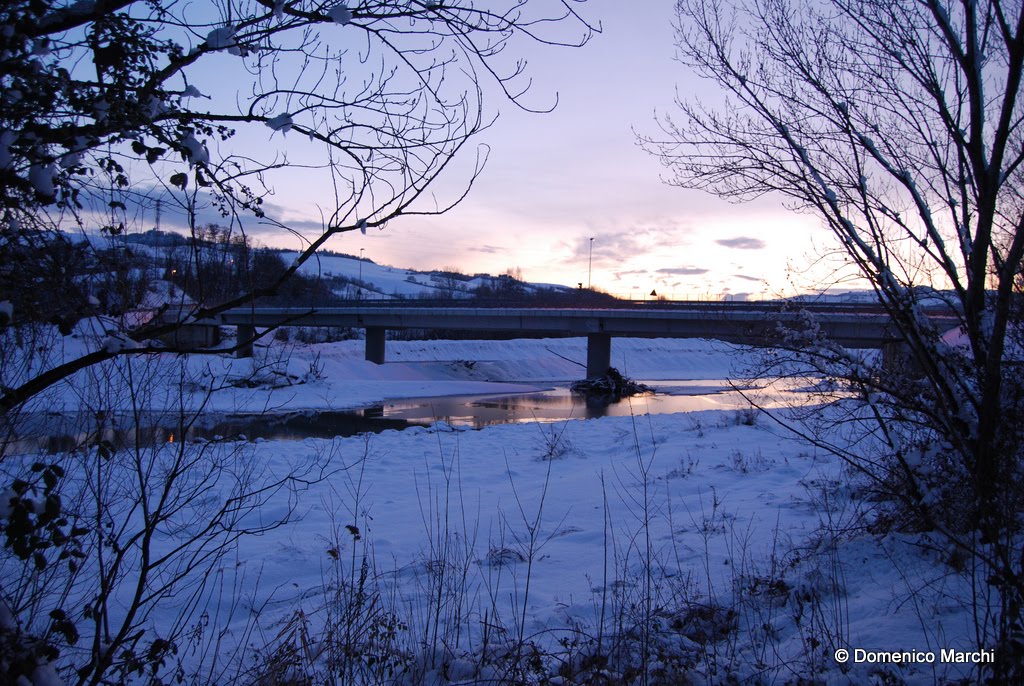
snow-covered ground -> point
(701, 544)
(741, 527)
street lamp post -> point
(590, 263)
(359, 286)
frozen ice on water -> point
(282, 122)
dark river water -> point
(58, 433)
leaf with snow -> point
(42, 179)
(82, 7)
(282, 123)
(192, 92)
(100, 109)
(7, 139)
(70, 160)
(156, 106)
(340, 14)
(196, 152)
(221, 38)
(118, 343)
(45, 674)
(6, 497)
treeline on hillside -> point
(509, 288)
(59, 280)
(216, 266)
(49, 278)
(55, 279)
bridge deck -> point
(737, 324)
(854, 326)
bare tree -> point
(898, 124)
(103, 113)
(110, 109)
(116, 551)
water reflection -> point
(60, 433)
(64, 433)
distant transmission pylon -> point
(157, 227)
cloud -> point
(617, 245)
(742, 243)
(683, 271)
(747, 278)
(488, 249)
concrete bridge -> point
(853, 326)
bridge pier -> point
(375, 344)
(897, 357)
(599, 354)
(245, 334)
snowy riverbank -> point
(333, 376)
(703, 544)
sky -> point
(569, 197)
(553, 181)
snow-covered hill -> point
(372, 280)
(348, 276)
